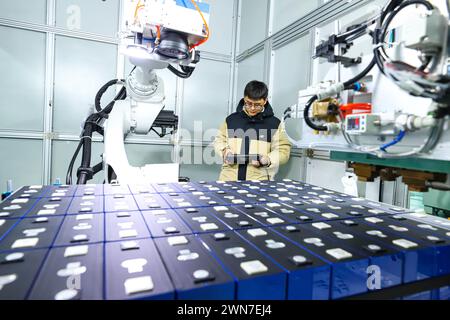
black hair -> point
(256, 90)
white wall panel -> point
(23, 79)
(93, 16)
(291, 69)
(286, 12)
(81, 68)
(21, 162)
(252, 68)
(253, 23)
(206, 97)
(221, 27)
(24, 10)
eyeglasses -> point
(252, 105)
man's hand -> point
(264, 161)
(225, 155)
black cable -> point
(382, 28)
(97, 168)
(103, 90)
(349, 83)
(72, 162)
(85, 171)
(308, 121)
(184, 75)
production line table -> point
(216, 240)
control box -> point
(362, 124)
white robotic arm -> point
(160, 34)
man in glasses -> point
(252, 141)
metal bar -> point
(235, 32)
(57, 30)
(49, 94)
(6, 134)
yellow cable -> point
(138, 6)
(206, 25)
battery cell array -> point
(213, 240)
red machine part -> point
(355, 108)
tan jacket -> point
(265, 135)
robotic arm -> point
(415, 61)
(160, 34)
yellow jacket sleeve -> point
(280, 148)
(221, 141)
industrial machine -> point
(159, 34)
(385, 110)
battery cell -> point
(32, 234)
(71, 273)
(308, 276)
(17, 271)
(194, 272)
(134, 270)
(258, 277)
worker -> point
(256, 135)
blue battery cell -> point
(31, 192)
(71, 273)
(349, 268)
(200, 220)
(50, 207)
(60, 191)
(166, 188)
(257, 276)
(116, 189)
(386, 262)
(123, 226)
(192, 187)
(194, 272)
(265, 216)
(423, 257)
(86, 204)
(301, 210)
(6, 225)
(293, 214)
(444, 293)
(14, 208)
(308, 276)
(185, 200)
(89, 190)
(120, 202)
(84, 228)
(150, 202)
(165, 223)
(142, 189)
(432, 235)
(231, 198)
(134, 270)
(233, 218)
(18, 270)
(31, 234)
